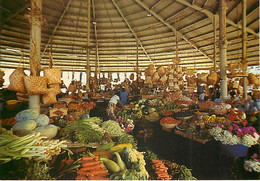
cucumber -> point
(106, 146)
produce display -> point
(83, 131)
(93, 149)
(112, 128)
(91, 169)
(30, 146)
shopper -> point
(115, 99)
(202, 96)
(217, 100)
(123, 95)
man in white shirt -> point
(112, 105)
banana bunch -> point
(221, 119)
(213, 119)
(209, 119)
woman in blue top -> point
(123, 95)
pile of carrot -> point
(9, 121)
(92, 169)
(160, 170)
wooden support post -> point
(244, 47)
(88, 71)
(215, 42)
(35, 19)
(223, 48)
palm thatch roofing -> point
(123, 31)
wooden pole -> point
(35, 19)
(88, 48)
(244, 47)
(223, 48)
(215, 42)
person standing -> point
(123, 95)
(114, 100)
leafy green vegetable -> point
(112, 128)
(127, 138)
(149, 155)
(83, 131)
(24, 169)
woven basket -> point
(155, 77)
(49, 97)
(168, 125)
(220, 111)
(53, 74)
(212, 78)
(161, 71)
(55, 88)
(35, 85)
(17, 81)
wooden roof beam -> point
(176, 14)
(211, 15)
(172, 28)
(15, 14)
(56, 27)
(156, 4)
(133, 32)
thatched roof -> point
(117, 26)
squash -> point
(24, 125)
(42, 120)
(50, 131)
(27, 114)
(103, 153)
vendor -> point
(115, 99)
(123, 95)
(217, 100)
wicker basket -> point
(220, 111)
(169, 126)
(53, 74)
(35, 85)
(17, 81)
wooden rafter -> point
(56, 27)
(172, 28)
(133, 32)
(176, 14)
(156, 4)
(211, 15)
(14, 15)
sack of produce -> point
(163, 79)
(202, 77)
(49, 97)
(52, 74)
(17, 81)
(155, 77)
(213, 78)
(35, 85)
(161, 71)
